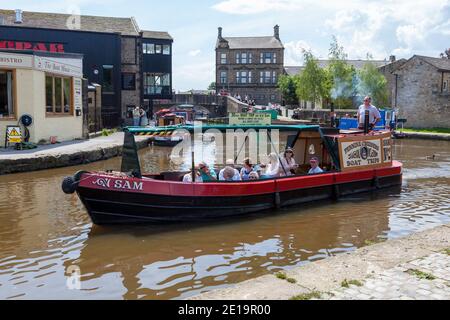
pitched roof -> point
(156, 35)
(293, 70)
(253, 42)
(124, 26)
(358, 64)
(439, 63)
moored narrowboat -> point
(354, 162)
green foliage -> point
(291, 280)
(346, 283)
(420, 274)
(281, 275)
(212, 86)
(307, 296)
(314, 83)
(374, 84)
(288, 85)
(430, 130)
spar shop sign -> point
(35, 46)
(361, 153)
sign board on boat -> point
(361, 152)
(250, 119)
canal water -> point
(46, 237)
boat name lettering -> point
(124, 184)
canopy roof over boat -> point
(223, 127)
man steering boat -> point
(374, 114)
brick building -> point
(250, 66)
(132, 66)
(420, 90)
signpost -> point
(250, 119)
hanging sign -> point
(250, 119)
(13, 134)
(361, 152)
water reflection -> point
(43, 232)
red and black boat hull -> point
(113, 200)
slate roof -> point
(253, 42)
(124, 26)
(293, 70)
(156, 35)
(439, 63)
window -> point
(6, 94)
(268, 57)
(158, 48)
(223, 77)
(58, 95)
(108, 76)
(243, 58)
(128, 81)
(166, 49)
(445, 86)
(156, 84)
(243, 77)
(268, 77)
(223, 58)
(148, 48)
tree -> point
(342, 76)
(287, 85)
(314, 83)
(373, 83)
(212, 86)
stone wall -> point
(420, 97)
(131, 56)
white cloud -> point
(194, 53)
(193, 75)
(256, 6)
(293, 53)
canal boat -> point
(354, 161)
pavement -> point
(414, 267)
(64, 154)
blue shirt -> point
(315, 171)
(206, 178)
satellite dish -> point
(26, 120)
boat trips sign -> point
(362, 152)
(250, 119)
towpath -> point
(414, 267)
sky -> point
(379, 27)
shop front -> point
(48, 88)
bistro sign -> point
(15, 61)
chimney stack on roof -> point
(220, 33)
(19, 17)
(276, 32)
(392, 59)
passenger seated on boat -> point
(253, 176)
(272, 170)
(247, 169)
(236, 175)
(315, 166)
(288, 163)
(188, 177)
(228, 174)
(206, 173)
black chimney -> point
(276, 32)
(220, 33)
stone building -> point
(132, 66)
(420, 90)
(250, 66)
